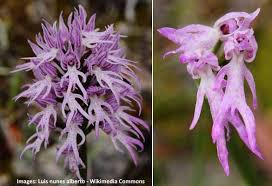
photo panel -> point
(76, 92)
(211, 95)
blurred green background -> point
(20, 20)
(188, 158)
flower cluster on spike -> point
(223, 86)
(83, 78)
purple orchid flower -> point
(83, 74)
(225, 97)
(70, 146)
(243, 48)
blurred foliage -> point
(19, 21)
(184, 157)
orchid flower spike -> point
(83, 78)
(226, 97)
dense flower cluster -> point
(222, 86)
(83, 78)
